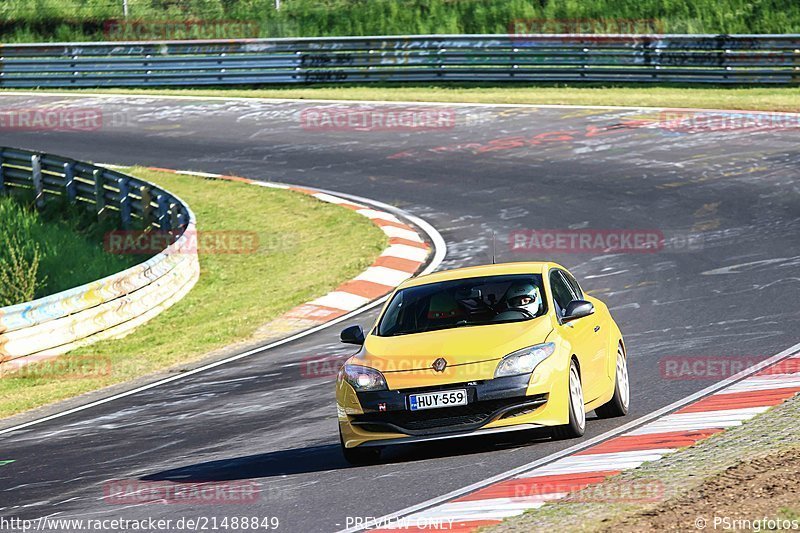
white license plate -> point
(435, 400)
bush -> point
(50, 251)
(19, 269)
(82, 20)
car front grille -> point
(448, 419)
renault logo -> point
(439, 365)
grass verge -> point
(82, 19)
(48, 251)
(745, 472)
(751, 98)
(306, 248)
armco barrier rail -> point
(756, 59)
(113, 306)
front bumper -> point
(453, 435)
(494, 405)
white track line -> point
(383, 276)
(700, 420)
(404, 251)
(770, 382)
(374, 214)
(392, 517)
(597, 462)
(346, 301)
(440, 251)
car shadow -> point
(278, 463)
(329, 457)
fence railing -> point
(749, 59)
(113, 306)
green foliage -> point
(50, 251)
(19, 269)
(83, 20)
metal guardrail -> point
(756, 59)
(113, 306)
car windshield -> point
(463, 303)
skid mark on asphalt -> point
(550, 181)
(753, 265)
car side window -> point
(562, 294)
(576, 289)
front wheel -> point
(577, 412)
(618, 405)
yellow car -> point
(481, 350)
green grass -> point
(788, 513)
(306, 248)
(754, 98)
(56, 20)
(67, 241)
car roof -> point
(530, 267)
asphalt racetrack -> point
(724, 285)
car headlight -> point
(363, 378)
(524, 361)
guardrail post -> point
(651, 55)
(512, 58)
(586, 59)
(163, 213)
(147, 208)
(124, 203)
(36, 175)
(174, 216)
(99, 191)
(69, 182)
(2, 176)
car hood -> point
(471, 352)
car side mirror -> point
(578, 309)
(353, 335)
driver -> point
(524, 296)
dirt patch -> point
(752, 490)
(745, 473)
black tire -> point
(620, 402)
(360, 455)
(577, 419)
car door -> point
(581, 336)
(601, 337)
